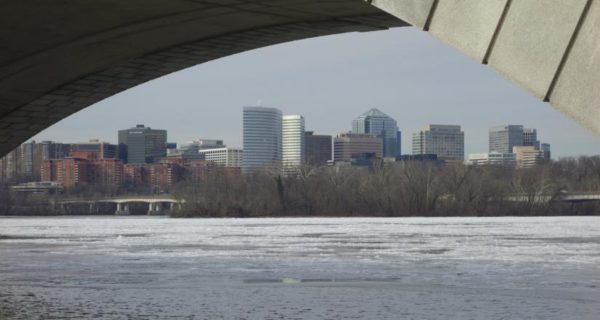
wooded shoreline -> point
(397, 189)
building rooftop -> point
(430, 127)
(374, 112)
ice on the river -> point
(338, 268)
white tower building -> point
(262, 138)
(293, 143)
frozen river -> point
(363, 268)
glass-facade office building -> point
(382, 126)
(262, 138)
(504, 138)
(530, 138)
(318, 149)
(142, 144)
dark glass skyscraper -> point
(318, 149)
(530, 138)
(142, 144)
(382, 126)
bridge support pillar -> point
(154, 209)
(174, 206)
(122, 209)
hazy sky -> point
(330, 80)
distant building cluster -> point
(513, 145)
(143, 157)
(278, 142)
(142, 160)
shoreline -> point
(297, 217)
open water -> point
(319, 268)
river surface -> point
(319, 268)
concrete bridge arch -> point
(58, 57)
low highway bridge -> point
(156, 204)
(575, 197)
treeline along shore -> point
(397, 189)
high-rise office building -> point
(10, 165)
(349, 145)
(530, 138)
(262, 138)
(504, 138)
(49, 150)
(142, 145)
(293, 143)
(24, 163)
(382, 126)
(446, 141)
(317, 148)
(28, 161)
(545, 148)
(104, 150)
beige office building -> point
(445, 141)
(528, 156)
(492, 158)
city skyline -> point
(404, 151)
(271, 141)
(409, 150)
(404, 72)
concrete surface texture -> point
(58, 57)
(551, 48)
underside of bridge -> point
(58, 57)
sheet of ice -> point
(535, 267)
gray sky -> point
(330, 80)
